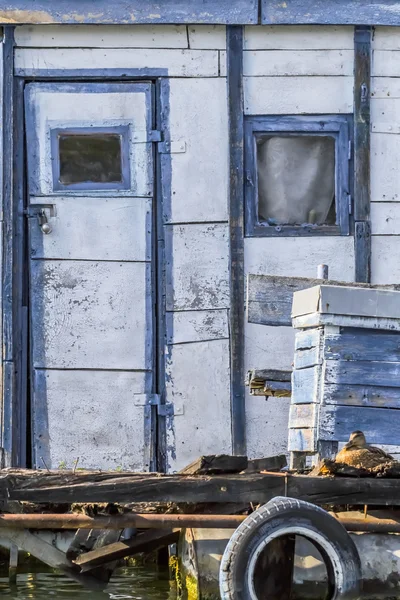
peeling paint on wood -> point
(197, 267)
(197, 326)
(130, 11)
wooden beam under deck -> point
(98, 487)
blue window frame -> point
(297, 175)
(90, 158)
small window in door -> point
(90, 158)
(297, 176)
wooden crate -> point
(346, 372)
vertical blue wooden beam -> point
(362, 149)
(9, 368)
(236, 209)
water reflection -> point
(136, 583)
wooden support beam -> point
(67, 487)
(234, 53)
(13, 564)
(144, 542)
(362, 150)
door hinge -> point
(350, 150)
(172, 147)
(350, 203)
(163, 410)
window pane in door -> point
(296, 179)
(94, 158)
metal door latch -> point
(44, 222)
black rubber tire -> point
(283, 517)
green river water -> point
(137, 583)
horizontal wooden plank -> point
(307, 358)
(207, 37)
(270, 297)
(298, 38)
(360, 345)
(384, 111)
(308, 339)
(196, 326)
(289, 63)
(361, 395)
(102, 36)
(385, 266)
(67, 487)
(303, 416)
(298, 95)
(385, 63)
(306, 385)
(385, 218)
(335, 12)
(290, 256)
(177, 63)
(386, 38)
(363, 373)
(235, 12)
(380, 425)
(320, 320)
(385, 88)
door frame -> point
(15, 428)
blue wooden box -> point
(346, 373)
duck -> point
(357, 453)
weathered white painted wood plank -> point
(90, 415)
(385, 264)
(300, 256)
(306, 385)
(177, 63)
(266, 426)
(385, 167)
(91, 315)
(356, 345)
(298, 38)
(375, 373)
(385, 218)
(385, 63)
(384, 113)
(386, 38)
(303, 416)
(285, 63)
(337, 422)
(198, 384)
(298, 95)
(307, 358)
(94, 229)
(360, 395)
(197, 326)
(385, 87)
(268, 347)
(197, 266)
(305, 340)
(302, 440)
(101, 36)
(207, 37)
(198, 189)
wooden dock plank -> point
(67, 487)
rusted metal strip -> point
(140, 521)
(371, 524)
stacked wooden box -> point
(346, 372)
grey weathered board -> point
(269, 297)
(67, 487)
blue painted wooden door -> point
(90, 177)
